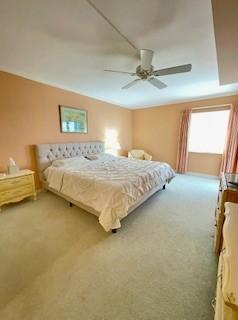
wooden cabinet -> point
(15, 187)
(227, 193)
(226, 301)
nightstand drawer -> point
(15, 192)
(16, 187)
(9, 184)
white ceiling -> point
(67, 44)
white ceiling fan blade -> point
(146, 57)
(173, 70)
(157, 83)
(130, 84)
(130, 73)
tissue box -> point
(13, 169)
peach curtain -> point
(182, 157)
(230, 156)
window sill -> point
(210, 153)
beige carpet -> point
(56, 262)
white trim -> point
(226, 106)
(209, 153)
(202, 175)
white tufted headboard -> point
(46, 153)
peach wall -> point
(157, 129)
(29, 115)
(205, 163)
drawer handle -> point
(219, 276)
(213, 303)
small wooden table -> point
(16, 187)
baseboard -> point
(202, 175)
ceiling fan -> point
(145, 71)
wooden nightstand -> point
(15, 187)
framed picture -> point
(73, 120)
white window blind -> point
(208, 131)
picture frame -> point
(73, 120)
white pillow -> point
(92, 157)
(69, 161)
(101, 156)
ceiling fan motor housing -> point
(144, 74)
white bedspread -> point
(109, 186)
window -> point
(208, 131)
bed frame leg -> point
(164, 187)
(70, 204)
(114, 230)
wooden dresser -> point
(226, 301)
(15, 187)
(227, 193)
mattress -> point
(110, 185)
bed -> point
(109, 187)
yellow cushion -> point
(139, 154)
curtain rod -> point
(216, 106)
